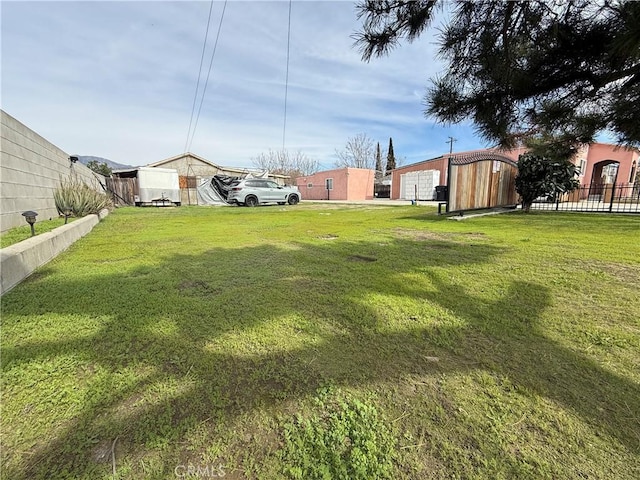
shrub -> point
(75, 195)
(542, 177)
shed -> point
(339, 184)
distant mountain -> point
(84, 159)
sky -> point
(117, 80)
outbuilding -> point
(193, 170)
(339, 184)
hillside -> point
(84, 159)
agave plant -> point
(80, 199)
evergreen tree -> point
(391, 159)
(379, 170)
(567, 69)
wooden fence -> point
(478, 181)
(122, 190)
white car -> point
(255, 191)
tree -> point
(550, 147)
(391, 158)
(282, 162)
(100, 167)
(357, 153)
(379, 169)
(541, 177)
(520, 68)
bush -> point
(80, 198)
(543, 177)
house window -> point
(582, 167)
(632, 175)
(309, 185)
(329, 183)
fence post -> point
(613, 192)
(448, 183)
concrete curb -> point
(19, 261)
(474, 215)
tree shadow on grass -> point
(217, 335)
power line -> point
(206, 82)
(195, 95)
(286, 82)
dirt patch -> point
(361, 258)
(192, 284)
(196, 287)
(328, 236)
(422, 234)
(474, 235)
(103, 452)
(628, 274)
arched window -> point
(632, 175)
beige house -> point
(192, 169)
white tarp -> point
(208, 195)
(264, 174)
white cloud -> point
(117, 79)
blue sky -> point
(117, 80)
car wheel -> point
(251, 201)
(293, 199)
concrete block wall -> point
(19, 261)
(31, 169)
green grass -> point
(250, 341)
(18, 234)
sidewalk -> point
(376, 201)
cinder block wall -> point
(30, 170)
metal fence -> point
(605, 198)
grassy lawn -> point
(18, 234)
(328, 342)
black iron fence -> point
(605, 198)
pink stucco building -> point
(599, 164)
(603, 163)
(339, 184)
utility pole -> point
(450, 142)
(446, 179)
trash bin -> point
(441, 193)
